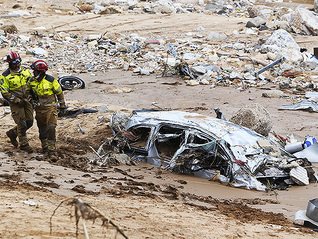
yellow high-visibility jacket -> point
(13, 85)
(47, 90)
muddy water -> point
(39, 171)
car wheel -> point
(71, 82)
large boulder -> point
(304, 21)
(282, 44)
(254, 117)
(278, 40)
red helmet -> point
(13, 57)
(39, 65)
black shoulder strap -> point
(6, 72)
(49, 78)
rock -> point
(93, 37)
(282, 44)
(273, 94)
(163, 7)
(15, 6)
(120, 90)
(311, 63)
(192, 82)
(248, 31)
(278, 40)
(238, 46)
(235, 75)
(256, 22)
(204, 82)
(283, 25)
(9, 29)
(119, 121)
(292, 56)
(97, 7)
(86, 8)
(103, 109)
(254, 117)
(144, 71)
(198, 70)
(137, 70)
(249, 76)
(171, 61)
(92, 44)
(123, 48)
(213, 7)
(214, 57)
(191, 56)
(215, 36)
(111, 10)
(37, 51)
(123, 159)
(254, 12)
(24, 38)
(18, 13)
(304, 21)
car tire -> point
(71, 83)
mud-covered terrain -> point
(143, 200)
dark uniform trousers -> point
(46, 118)
(23, 117)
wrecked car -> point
(205, 146)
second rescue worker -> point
(46, 91)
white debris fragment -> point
(299, 175)
(39, 51)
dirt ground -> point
(144, 201)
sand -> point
(143, 200)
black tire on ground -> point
(71, 82)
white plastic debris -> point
(299, 176)
(30, 203)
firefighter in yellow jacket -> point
(46, 91)
(13, 86)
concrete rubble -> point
(214, 58)
(200, 56)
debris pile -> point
(203, 57)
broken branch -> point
(87, 212)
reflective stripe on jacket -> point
(13, 85)
(47, 90)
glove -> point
(20, 103)
(62, 112)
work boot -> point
(45, 150)
(13, 137)
(27, 148)
(45, 147)
(52, 156)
